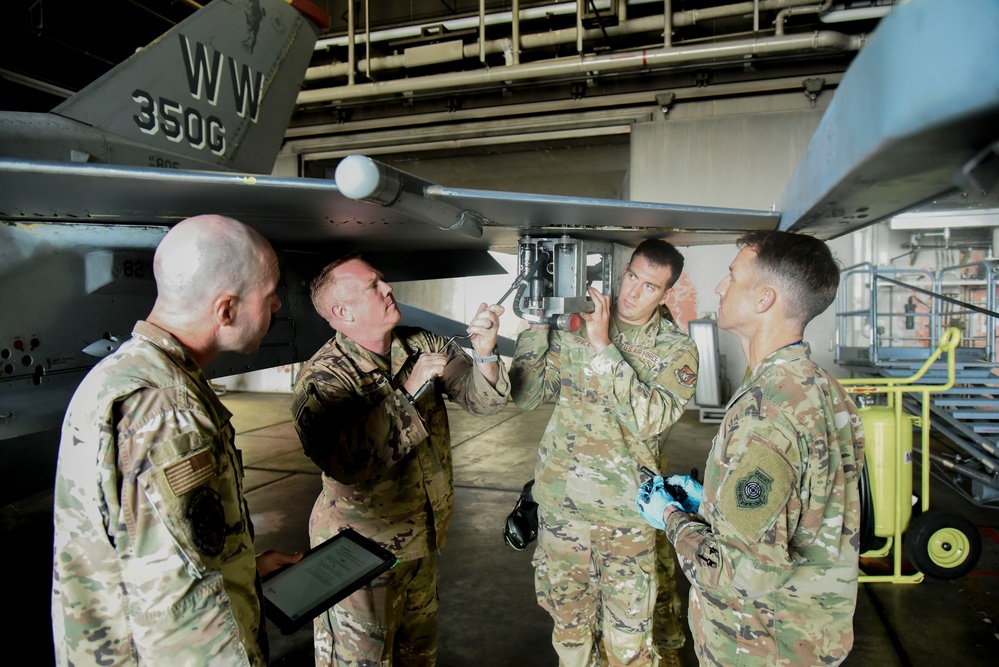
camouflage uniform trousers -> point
(668, 622)
(392, 621)
(598, 583)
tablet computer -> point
(327, 573)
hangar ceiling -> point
(444, 79)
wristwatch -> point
(485, 360)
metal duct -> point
(635, 60)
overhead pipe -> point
(482, 31)
(561, 9)
(555, 37)
(367, 40)
(351, 56)
(465, 23)
(586, 65)
(29, 82)
(667, 24)
(516, 31)
(835, 15)
(788, 11)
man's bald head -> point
(202, 257)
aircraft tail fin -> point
(215, 92)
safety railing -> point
(884, 313)
(972, 295)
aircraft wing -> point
(626, 222)
(914, 123)
(308, 214)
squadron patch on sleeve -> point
(685, 376)
(752, 490)
(756, 489)
(207, 518)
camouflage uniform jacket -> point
(773, 555)
(386, 463)
(153, 557)
(613, 413)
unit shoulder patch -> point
(752, 490)
(756, 489)
(207, 518)
(685, 376)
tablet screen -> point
(326, 574)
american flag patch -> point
(189, 473)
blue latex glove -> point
(652, 501)
(692, 488)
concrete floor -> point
(489, 616)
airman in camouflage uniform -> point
(153, 556)
(620, 385)
(385, 453)
(772, 551)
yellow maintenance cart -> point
(943, 545)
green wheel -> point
(942, 545)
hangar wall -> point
(696, 154)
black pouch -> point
(522, 525)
